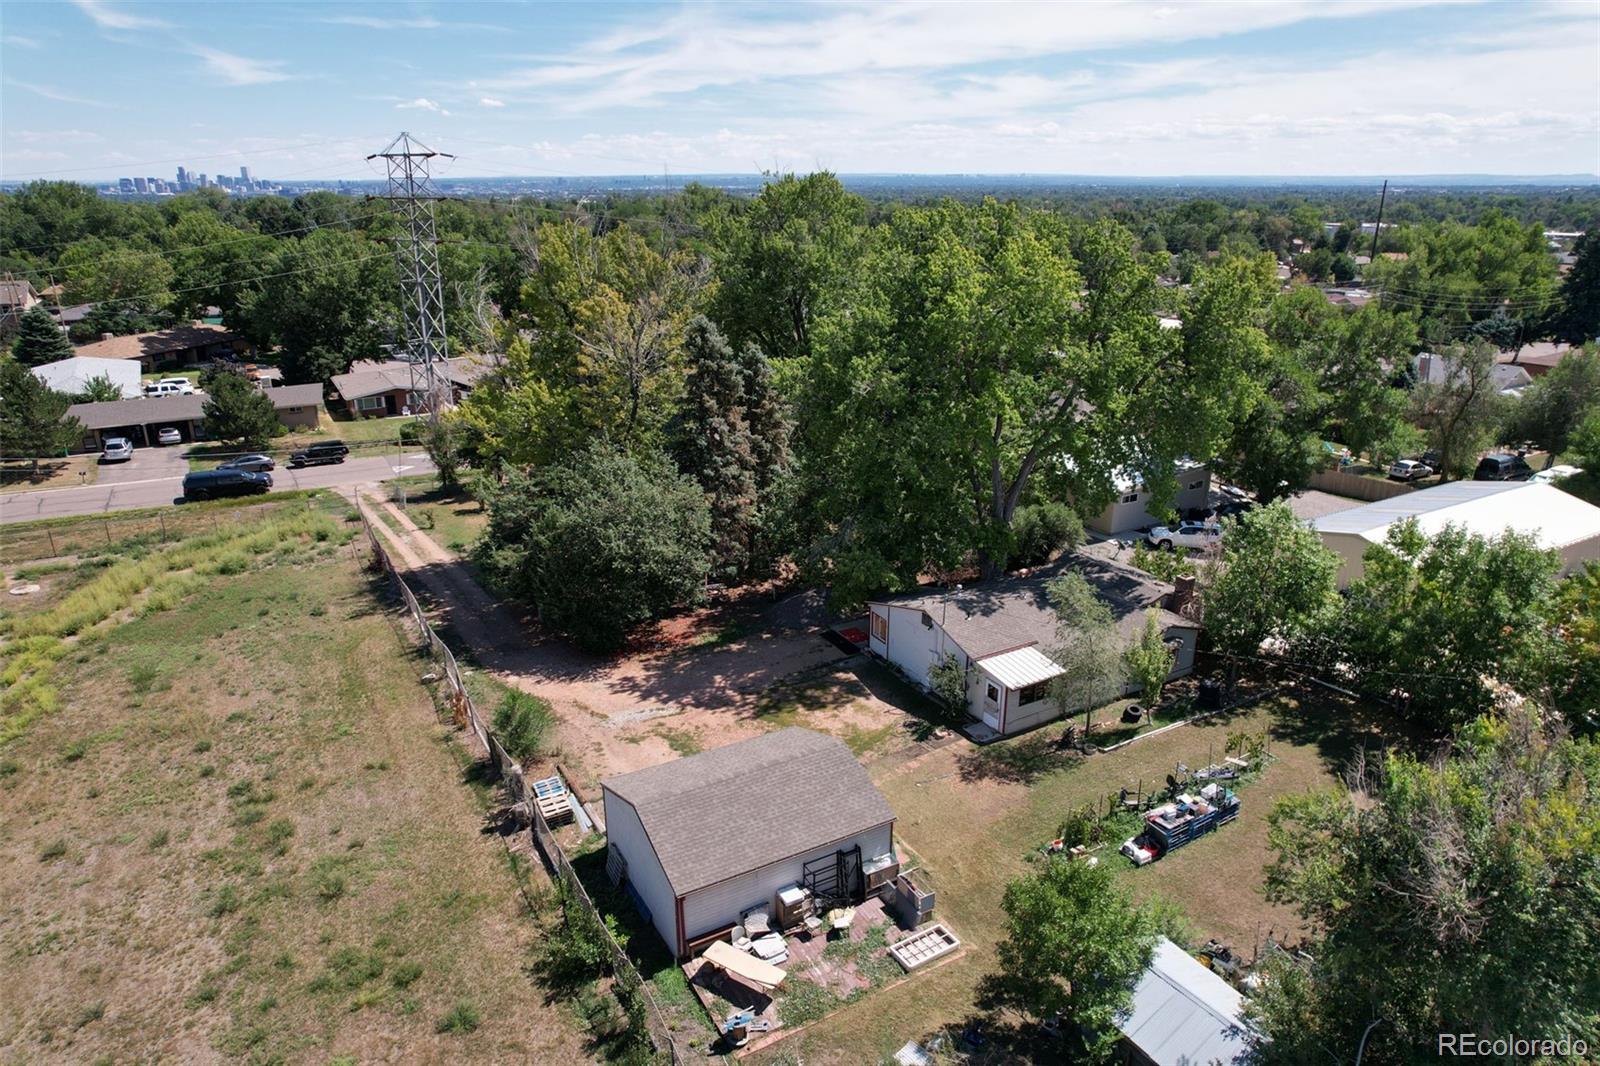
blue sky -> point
(95, 89)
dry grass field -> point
(237, 829)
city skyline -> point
(1116, 89)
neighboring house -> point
(1435, 369)
(72, 376)
(999, 632)
(67, 317)
(374, 389)
(16, 297)
(1182, 1014)
(1557, 520)
(139, 420)
(1539, 357)
(1130, 509)
(1347, 297)
(700, 841)
(185, 345)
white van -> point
(185, 386)
(168, 388)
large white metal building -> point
(72, 376)
(699, 842)
(1557, 520)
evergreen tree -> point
(39, 339)
(1576, 318)
(717, 449)
(33, 421)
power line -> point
(242, 281)
(135, 253)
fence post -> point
(106, 525)
(162, 519)
(52, 537)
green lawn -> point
(973, 817)
(364, 436)
(453, 519)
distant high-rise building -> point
(183, 176)
(125, 185)
(244, 175)
(203, 181)
(141, 185)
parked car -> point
(1552, 474)
(183, 385)
(224, 481)
(1502, 467)
(168, 435)
(1185, 535)
(1409, 470)
(117, 450)
(324, 451)
(259, 463)
(167, 388)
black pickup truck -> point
(324, 451)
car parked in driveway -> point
(1551, 474)
(117, 450)
(324, 451)
(214, 484)
(1502, 466)
(1185, 535)
(168, 435)
(1409, 470)
(258, 463)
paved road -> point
(164, 487)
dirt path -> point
(615, 715)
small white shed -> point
(1182, 1014)
(700, 841)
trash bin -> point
(1210, 694)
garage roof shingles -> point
(734, 809)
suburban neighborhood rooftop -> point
(175, 339)
(1487, 508)
(723, 812)
(1183, 1014)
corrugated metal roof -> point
(73, 375)
(1183, 1014)
(738, 808)
(1020, 668)
(1487, 508)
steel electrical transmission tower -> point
(412, 196)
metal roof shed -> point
(1557, 520)
(1182, 1014)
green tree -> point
(1576, 622)
(1075, 946)
(442, 441)
(1575, 318)
(99, 389)
(1550, 410)
(33, 417)
(948, 683)
(1042, 529)
(1434, 620)
(599, 543)
(1274, 579)
(1088, 648)
(715, 445)
(107, 270)
(969, 363)
(1448, 896)
(1150, 659)
(39, 339)
(238, 413)
(521, 722)
(1461, 414)
(784, 260)
(213, 263)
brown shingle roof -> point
(738, 808)
(160, 342)
(1015, 612)
(371, 377)
(295, 395)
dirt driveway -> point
(620, 714)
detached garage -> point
(1557, 520)
(699, 842)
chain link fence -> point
(637, 996)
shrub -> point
(406, 974)
(1040, 530)
(53, 850)
(521, 722)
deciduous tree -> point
(1274, 579)
(1089, 648)
(237, 412)
(1460, 414)
(1150, 659)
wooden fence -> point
(462, 706)
(1357, 487)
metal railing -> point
(465, 711)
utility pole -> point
(412, 197)
(1378, 226)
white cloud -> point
(19, 41)
(489, 101)
(57, 95)
(421, 103)
(372, 22)
(240, 70)
(110, 18)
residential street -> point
(162, 483)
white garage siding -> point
(912, 646)
(625, 837)
(715, 907)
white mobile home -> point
(1557, 520)
(700, 841)
(998, 632)
(1130, 508)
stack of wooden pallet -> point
(553, 799)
